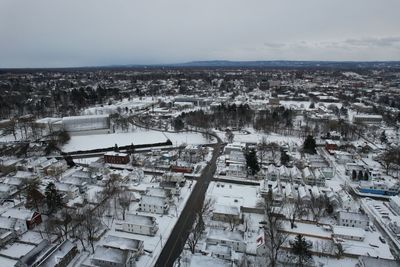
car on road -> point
(382, 240)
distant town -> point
(202, 164)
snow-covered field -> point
(254, 137)
(137, 137)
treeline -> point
(237, 117)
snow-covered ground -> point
(137, 137)
(254, 136)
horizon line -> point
(205, 62)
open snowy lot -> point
(253, 136)
(139, 136)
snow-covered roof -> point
(225, 209)
(220, 234)
(348, 231)
(113, 255)
(138, 219)
(18, 213)
(16, 250)
(202, 260)
(151, 200)
(123, 243)
(348, 215)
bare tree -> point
(89, 226)
(274, 237)
(262, 149)
(232, 221)
(229, 136)
(317, 207)
(295, 210)
(62, 222)
(195, 233)
(112, 189)
(274, 148)
(124, 200)
(247, 222)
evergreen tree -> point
(284, 157)
(252, 162)
(383, 137)
(178, 124)
(34, 199)
(53, 198)
(310, 145)
(301, 250)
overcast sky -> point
(62, 33)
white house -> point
(116, 252)
(353, 219)
(14, 225)
(154, 204)
(226, 213)
(139, 224)
(234, 239)
(349, 233)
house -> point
(308, 176)
(353, 219)
(343, 157)
(284, 174)
(60, 255)
(394, 225)
(138, 224)
(158, 192)
(234, 147)
(154, 204)
(394, 203)
(116, 252)
(172, 187)
(110, 257)
(6, 236)
(233, 239)
(201, 260)
(116, 158)
(331, 145)
(14, 225)
(26, 254)
(56, 168)
(69, 191)
(272, 173)
(319, 178)
(349, 233)
(236, 170)
(7, 190)
(173, 177)
(225, 213)
(295, 175)
(30, 218)
(218, 251)
(134, 246)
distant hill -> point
(290, 64)
(277, 64)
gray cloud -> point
(101, 32)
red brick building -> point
(116, 158)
